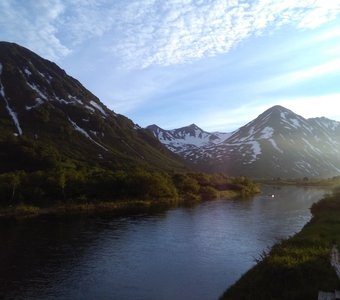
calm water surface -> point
(182, 253)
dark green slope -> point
(46, 115)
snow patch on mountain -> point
(47, 77)
(83, 131)
(275, 145)
(187, 139)
(222, 136)
(11, 111)
(90, 108)
(283, 115)
(27, 72)
(74, 99)
(38, 102)
(295, 123)
(37, 90)
(256, 147)
(98, 107)
(281, 143)
(267, 132)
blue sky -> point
(216, 63)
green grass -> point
(299, 267)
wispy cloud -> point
(33, 24)
(150, 32)
(182, 31)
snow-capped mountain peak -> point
(276, 119)
(278, 143)
(186, 138)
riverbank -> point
(115, 207)
(297, 268)
(25, 210)
(42, 192)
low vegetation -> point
(69, 185)
(299, 267)
(36, 175)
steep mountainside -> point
(46, 113)
(278, 143)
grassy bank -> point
(299, 267)
(25, 210)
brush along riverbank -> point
(299, 267)
(141, 191)
(116, 207)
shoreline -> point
(298, 267)
(115, 207)
(21, 211)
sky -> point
(215, 63)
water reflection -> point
(182, 253)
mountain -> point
(46, 114)
(278, 143)
(187, 139)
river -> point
(181, 253)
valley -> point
(62, 149)
(87, 178)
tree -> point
(15, 180)
(61, 181)
(187, 187)
(9, 183)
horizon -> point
(216, 64)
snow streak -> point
(82, 131)
(11, 112)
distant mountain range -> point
(278, 143)
(46, 113)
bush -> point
(208, 193)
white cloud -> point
(149, 32)
(33, 24)
(179, 32)
(321, 12)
